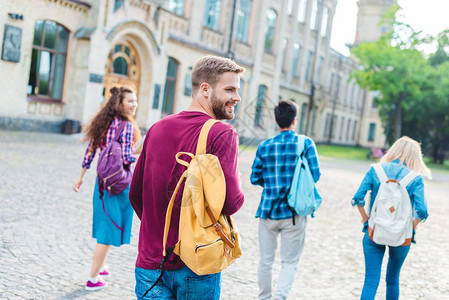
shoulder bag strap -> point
(408, 178)
(202, 140)
(380, 173)
(301, 145)
(201, 149)
(119, 131)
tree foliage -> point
(413, 88)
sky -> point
(430, 16)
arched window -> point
(260, 104)
(48, 60)
(170, 86)
(271, 30)
(120, 66)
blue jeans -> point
(178, 284)
(374, 254)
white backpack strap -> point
(380, 173)
(408, 178)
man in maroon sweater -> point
(215, 85)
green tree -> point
(413, 88)
(398, 74)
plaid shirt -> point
(126, 139)
(273, 169)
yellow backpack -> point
(208, 241)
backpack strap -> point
(202, 140)
(408, 178)
(380, 173)
(119, 131)
(301, 145)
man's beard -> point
(219, 108)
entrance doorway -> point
(122, 68)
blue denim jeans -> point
(374, 254)
(178, 284)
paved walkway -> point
(46, 245)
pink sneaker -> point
(105, 274)
(101, 284)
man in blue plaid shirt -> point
(273, 169)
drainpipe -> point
(230, 52)
(334, 104)
(314, 60)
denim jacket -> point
(394, 170)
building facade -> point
(70, 53)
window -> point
(301, 10)
(374, 95)
(326, 125)
(118, 4)
(188, 84)
(337, 89)
(324, 23)
(271, 30)
(302, 122)
(170, 86)
(212, 15)
(371, 132)
(313, 14)
(284, 54)
(314, 120)
(334, 126)
(296, 51)
(237, 105)
(318, 71)
(331, 83)
(342, 125)
(308, 65)
(290, 7)
(176, 6)
(260, 104)
(347, 129)
(48, 60)
(243, 17)
(354, 131)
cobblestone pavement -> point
(46, 245)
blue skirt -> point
(119, 210)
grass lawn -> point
(343, 152)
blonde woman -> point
(404, 156)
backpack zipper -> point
(201, 246)
(114, 183)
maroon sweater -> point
(157, 173)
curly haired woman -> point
(112, 217)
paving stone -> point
(46, 246)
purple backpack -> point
(113, 175)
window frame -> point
(53, 52)
(171, 81)
(239, 35)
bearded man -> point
(215, 85)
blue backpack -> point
(303, 197)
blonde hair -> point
(408, 151)
(210, 68)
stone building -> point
(71, 52)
